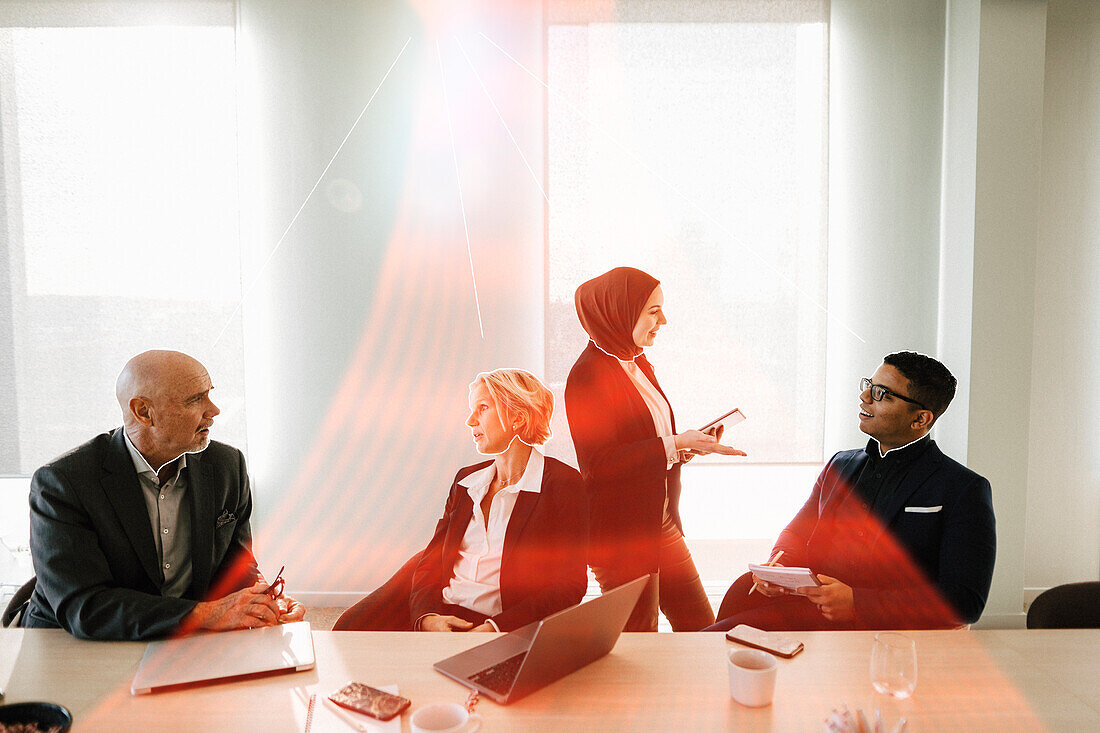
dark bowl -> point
(44, 714)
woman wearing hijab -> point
(630, 453)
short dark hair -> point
(930, 382)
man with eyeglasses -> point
(897, 534)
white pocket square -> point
(923, 509)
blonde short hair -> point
(520, 399)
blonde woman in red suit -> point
(630, 453)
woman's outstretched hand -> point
(701, 443)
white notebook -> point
(223, 656)
(789, 578)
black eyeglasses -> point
(276, 588)
(878, 392)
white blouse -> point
(658, 408)
(476, 581)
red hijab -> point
(608, 307)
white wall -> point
(1063, 478)
(885, 130)
(1033, 316)
(1010, 97)
(959, 166)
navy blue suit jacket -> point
(926, 561)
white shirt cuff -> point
(671, 454)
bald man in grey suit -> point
(144, 531)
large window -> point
(694, 147)
(118, 221)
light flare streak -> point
(512, 137)
(458, 178)
(294, 219)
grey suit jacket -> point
(93, 548)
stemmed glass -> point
(894, 665)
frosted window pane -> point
(696, 152)
(120, 180)
(127, 161)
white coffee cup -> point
(752, 677)
(444, 717)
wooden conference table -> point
(967, 680)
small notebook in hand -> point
(789, 578)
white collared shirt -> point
(882, 454)
(658, 409)
(476, 581)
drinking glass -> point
(894, 665)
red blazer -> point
(542, 569)
(622, 461)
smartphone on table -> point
(768, 641)
(370, 701)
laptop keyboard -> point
(500, 676)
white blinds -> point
(690, 140)
(118, 227)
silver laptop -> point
(531, 657)
(224, 655)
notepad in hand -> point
(728, 420)
(789, 578)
